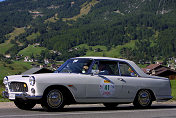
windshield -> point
(75, 66)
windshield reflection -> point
(75, 66)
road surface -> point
(158, 110)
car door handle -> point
(121, 79)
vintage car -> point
(105, 80)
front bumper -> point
(23, 96)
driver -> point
(85, 69)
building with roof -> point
(160, 70)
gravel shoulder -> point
(7, 105)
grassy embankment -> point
(35, 50)
(173, 84)
(33, 36)
(85, 8)
(16, 32)
(4, 47)
(17, 67)
(10, 69)
(1, 98)
(113, 52)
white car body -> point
(90, 87)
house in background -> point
(160, 70)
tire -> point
(24, 104)
(143, 99)
(110, 105)
(53, 100)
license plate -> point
(12, 96)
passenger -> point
(104, 69)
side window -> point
(106, 68)
(126, 70)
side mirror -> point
(95, 72)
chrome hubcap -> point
(144, 98)
(54, 98)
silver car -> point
(109, 81)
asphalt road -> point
(166, 110)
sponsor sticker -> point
(107, 88)
(106, 81)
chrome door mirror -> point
(95, 72)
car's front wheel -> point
(143, 99)
(53, 100)
(24, 104)
(110, 105)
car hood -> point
(18, 78)
(43, 75)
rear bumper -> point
(163, 98)
(23, 96)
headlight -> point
(32, 80)
(5, 81)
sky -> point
(1, 0)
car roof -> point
(138, 70)
(103, 58)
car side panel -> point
(131, 85)
(160, 87)
(74, 82)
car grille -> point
(18, 87)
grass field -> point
(15, 68)
(52, 19)
(11, 36)
(85, 8)
(33, 36)
(5, 47)
(35, 50)
(1, 98)
(113, 52)
(173, 85)
(16, 32)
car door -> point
(105, 81)
(131, 81)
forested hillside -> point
(61, 27)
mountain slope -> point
(60, 25)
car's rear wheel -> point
(24, 104)
(53, 100)
(110, 105)
(143, 99)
